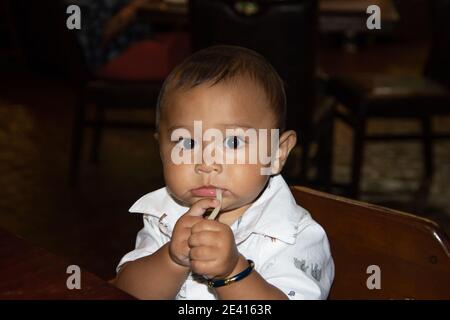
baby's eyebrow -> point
(221, 125)
(233, 125)
(170, 129)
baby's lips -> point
(207, 192)
(204, 192)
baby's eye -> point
(186, 143)
(234, 142)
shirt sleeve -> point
(304, 270)
(149, 239)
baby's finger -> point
(207, 225)
(202, 253)
(199, 208)
(206, 238)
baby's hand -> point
(178, 247)
(213, 249)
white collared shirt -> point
(290, 250)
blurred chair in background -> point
(384, 96)
(115, 70)
(285, 32)
(412, 253)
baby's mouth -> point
(205, 191)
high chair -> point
(412, 253)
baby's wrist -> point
(174, 260)
(241, 264)
(242, 269)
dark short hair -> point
(221, 63)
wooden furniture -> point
(116, 86)
(413, 253)
(29, 272)
(350, 16)
(366, 96)
(334, 15)
(163, 14)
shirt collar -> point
(274, 214)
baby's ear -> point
(156, 136)
(287, 142)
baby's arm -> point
(303, 270)
(252, 287)
(161, 275)
(215, 255)
(155, 276)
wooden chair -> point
(363, 97)
(102, 93)
(413, 253)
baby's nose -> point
(208, 168)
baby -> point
(219, 114)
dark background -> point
(89, 224)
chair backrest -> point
(285, 32)
(437, 66)
(413, 254)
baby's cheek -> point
(176, 176)
(247, 180)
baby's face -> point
(239, 104)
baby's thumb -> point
(199, 208)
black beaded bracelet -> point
(228, 281)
